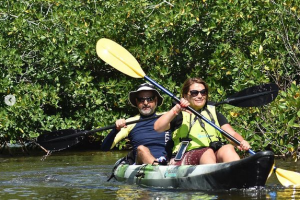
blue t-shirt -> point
(144, 134)
(141, 133)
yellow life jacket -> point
(200, 137)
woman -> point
(203, 140)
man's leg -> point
(144, 156)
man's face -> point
(146, 102)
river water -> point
(83, 175)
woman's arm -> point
(244, 145)
(163, 123)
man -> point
(148, 146)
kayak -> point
(249, 172)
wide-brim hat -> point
(145, 87)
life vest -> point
(200, 137)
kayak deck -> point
(245, 173)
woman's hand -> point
(181, 106)
(244, 145)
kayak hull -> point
(246, 173)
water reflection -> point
(83, 175)
(287, 193)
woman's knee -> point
(227, 147)
(208, 157)
(227, 153)
(226, 150)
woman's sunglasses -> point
(195, 93)
(148, 99)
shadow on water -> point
(83, 175)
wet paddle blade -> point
(288, 178)
(119, 58)
(271, 172)
(49, 140)
(254, 96)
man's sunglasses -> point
(195, 93)
(148, 99)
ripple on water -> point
(84, 176)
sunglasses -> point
(195, 93)
(148, 99)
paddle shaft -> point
(228, 101)
(74, 134)
(85, 133)
(196, 113)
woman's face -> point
(197, 96)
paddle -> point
(253, 96)
(287, 178)
(63, 139)
(119, 58)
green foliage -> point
(48, 61)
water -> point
(83, 175)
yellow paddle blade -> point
(119, 58)
(288, 178)
(271, 171)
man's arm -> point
(117, 134)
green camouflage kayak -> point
(245, 173)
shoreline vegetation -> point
(52, 79)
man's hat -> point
(145, 87)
